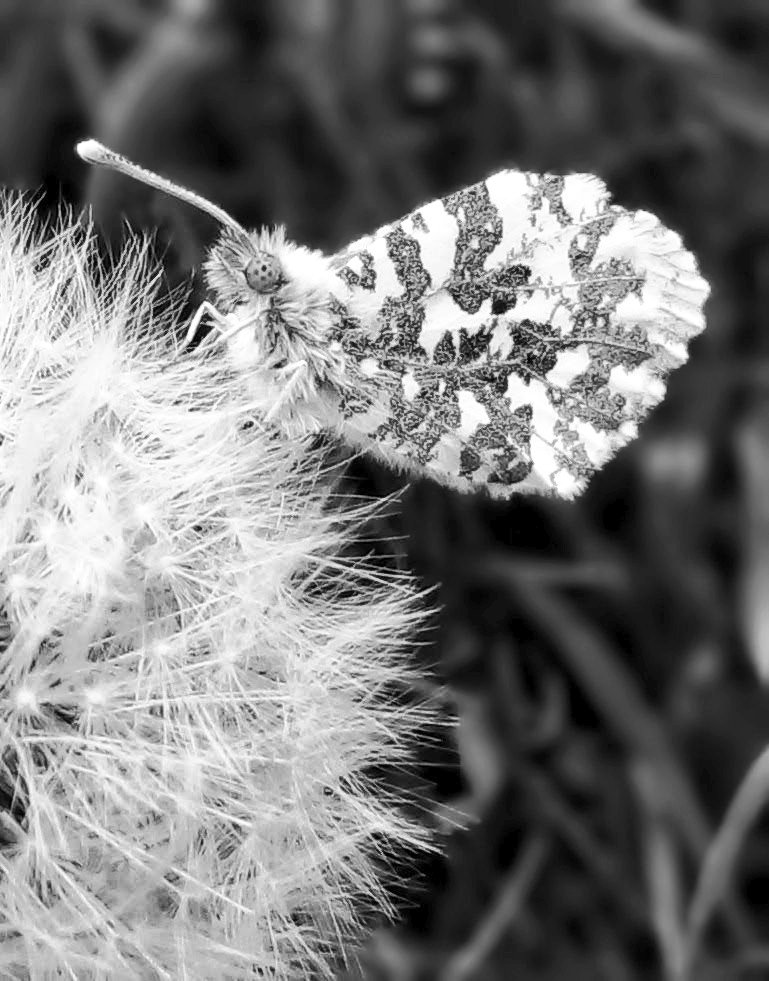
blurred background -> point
(604, 657)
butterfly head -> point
(242, 265)
(280, 293)
(247, 268)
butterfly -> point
(508, 337)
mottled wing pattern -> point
(514, 332)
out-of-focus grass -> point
(605, 655)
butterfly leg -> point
(297, 376)
(205, 309)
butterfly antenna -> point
(96, 153)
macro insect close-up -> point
(510, 336)
(384, 490)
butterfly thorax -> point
(289, 334)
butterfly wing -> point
(515, 332)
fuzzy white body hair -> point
(283, 344)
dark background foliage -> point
(603, 656)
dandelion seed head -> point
(187, 670)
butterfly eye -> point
(263, 273)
